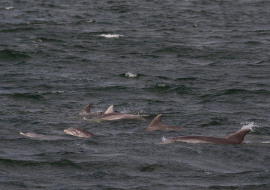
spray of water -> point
(249, 125)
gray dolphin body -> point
(109, 114)
(156, 124)
(74, 131)
(40, 136)
(235, 138)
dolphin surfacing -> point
(78, 132)
(108, 115)
(40, 136)
(235, 138)
(111, 115)
(156, 124)
(87, 111)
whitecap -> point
(208, 172)
(9, 8)
(111, 35)
(162, 85)
(58, 92)
(131, 75)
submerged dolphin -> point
(156, 124)
(40, 137)
(235, 138)
(109, 114)
(78, 132)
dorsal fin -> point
(156, 121)
(86, 110)
(239, 136)
(109, 110)
(155, 124)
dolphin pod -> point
(156, 124)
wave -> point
(58, 92)
(130, 75)
(19, 29)
(169, 88)
(20, 162)
(236, 91)
(40, 95)
(150, 167)
(175, 49)
(46, 39)
(27, 96)
(186, 79)
(9, 8)
(7, 55)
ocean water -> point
(204, 65)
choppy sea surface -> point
(204, 65)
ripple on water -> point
(12, 55)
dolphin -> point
(78, 132)
(86, 111)
(235, 138)
(156, 124)
(40, 137)
(111, 115)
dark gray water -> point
(205, 65)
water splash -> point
(9, 8)
(249, 125)
(131, 75)
(58, 92)
(111, 35)
(164, 140)
(162, 85)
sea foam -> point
(111, 35)
(9, 8)
(131, 75)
